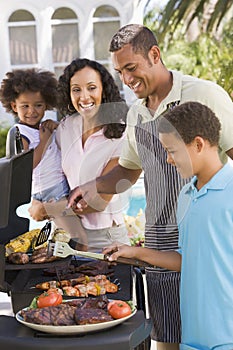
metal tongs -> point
(62, 250)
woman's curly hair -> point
(113, 110)
(34, 80)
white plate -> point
(76, 329)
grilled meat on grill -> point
(40, 255)
(18, 258)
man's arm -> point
(118, 180)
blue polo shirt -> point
(205, 220)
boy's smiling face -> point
(179, 154)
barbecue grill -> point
(17, 281)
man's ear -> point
(154, 53)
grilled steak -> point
(101, 302)
(40, 256)
(91, 316)
(60, 315)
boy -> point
(190, 135)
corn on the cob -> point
(22, 243)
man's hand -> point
(75, 200)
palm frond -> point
(187, 10)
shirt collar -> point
(174, 96)
(218, 182)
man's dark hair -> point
(140, 37)
(189, 120)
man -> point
(137, 59)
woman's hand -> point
(37, 211)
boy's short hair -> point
(191, 119)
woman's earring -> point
(71, 109)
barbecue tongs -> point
(62, 250)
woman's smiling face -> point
(86, 91)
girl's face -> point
(30, 108)
(86, 92)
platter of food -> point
(76, 317)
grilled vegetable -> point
(49, 298)
(21, 243)
(119, 309)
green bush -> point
(3, 135)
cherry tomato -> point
(49, 298)
(119, 309)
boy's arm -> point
(170, 260)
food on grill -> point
(22, 243)
(92, 268)
(18, 258)
(61, 235)
(72, 292)
(74, 312)
(95, 268)
(91, 316)
(83, 286)
(41, 256)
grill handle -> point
(14, 143)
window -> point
(65, 38)
(106, 22)
(22, 37)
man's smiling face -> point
(135, 71)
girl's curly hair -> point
(34, 80)
(113, 110)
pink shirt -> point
(81, 164)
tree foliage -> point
(211, 14)
(207, 57)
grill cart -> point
(18, 280)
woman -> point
(90, 138)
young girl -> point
(27, 94)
